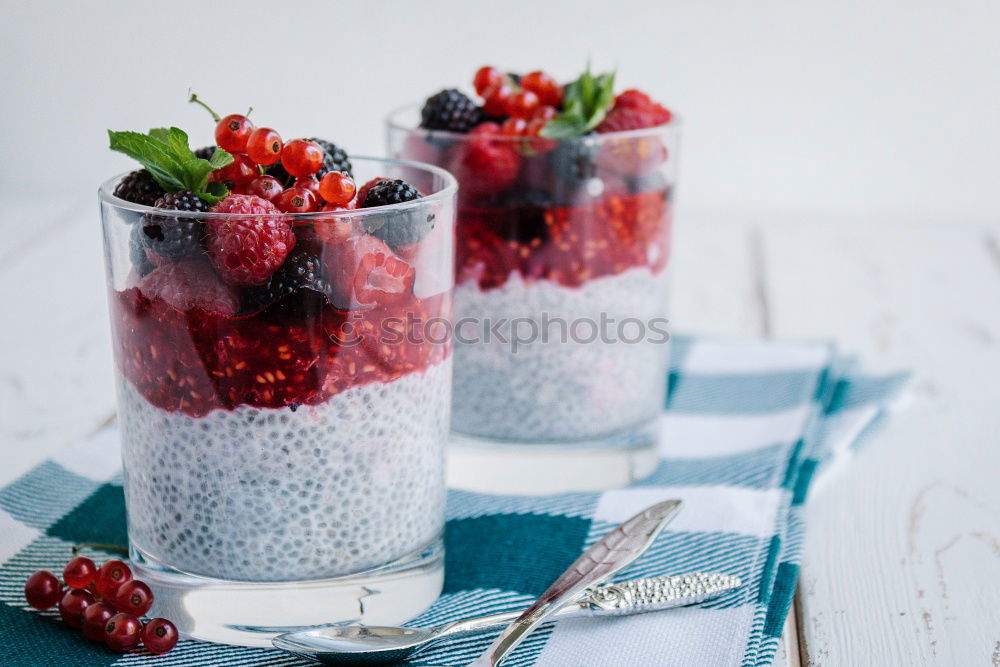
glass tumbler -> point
(560, 303)
(283, 444)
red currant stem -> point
(249, 111)
(113, 548)
(194, 98)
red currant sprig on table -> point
(106, 603)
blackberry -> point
(450, 110)
(301, 275)
(139, 187)
(574, 161)
(335, 159)
(171, 236)
(205, 152)
(137, 253)
(397, 228)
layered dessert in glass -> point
(284, 383)
(563, 233)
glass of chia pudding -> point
(563, 242)
(284, 382)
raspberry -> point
(190, 284)
(450, 110)
(301, 271)
(484, 167)
(248, 250)
(139, 187)
(171, 236)
(634, 110)
(364, 272)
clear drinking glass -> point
(567, 242)
(284, 459)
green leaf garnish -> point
(166, 155)
(586, 102)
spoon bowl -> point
(356, 644)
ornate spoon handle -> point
(609, 555)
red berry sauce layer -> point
(200, 360)
(568, 245)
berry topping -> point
(72, 605)
(487, 77)
(139, 187)
(110, 576)
(364, 271)
(485, 167)
(122, 632)
(264, 146)
(134, 597)
(301, 157)
(337, 188)
(634, 110)
(238, 173)
(301, 271)
(265, 187)
(190, 284)
(42, 590)
(397, 228)
(363, 190)
(296, 200)
(159, 635)
(95, 619)
(205, 152)
(232, 133)
(248, 250)
(522, 104)
(171, 236)
(79, 572)
(335, 158)
(496, 98)
(548, 90)
(450, 110)
(310, 183)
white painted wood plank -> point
(55, 352)
(903, 553)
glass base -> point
(251, 613)
(504, 467)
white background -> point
(849, 106)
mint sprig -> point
(586, 102)
(166, 155)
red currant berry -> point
(42, 590)
(337, 188)
(237, 173)
(495, 99)
(539, 145)
(72, 605)
(296, 200)
(95, 617)
(264, 146)
(310, 183)
(233, 132)
(159, 635)
(545, 112)
(79, 572)
(486, 129)
(110, 576)
(487, 77)
(301, 157)
(265, 187)
(134, 597)
(548, 90)
(514, 127)
(522, 104)
(122, 632)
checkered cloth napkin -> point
(748, 426)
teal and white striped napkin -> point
(749, 426)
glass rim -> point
(392, 122)
(106, 194)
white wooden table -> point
(902, 562)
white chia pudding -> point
(257, 494)
(554, 390)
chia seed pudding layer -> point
(554, 390)
(275, 494)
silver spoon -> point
(379, 645)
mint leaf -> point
(166, 155)
(586, 102)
